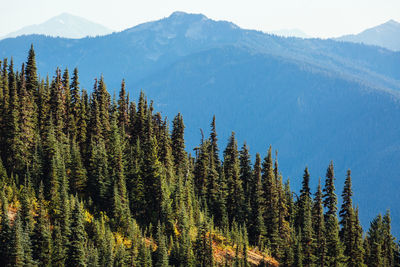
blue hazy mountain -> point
(290, 33)
(63, 25)
(385, 35)
(313, 100)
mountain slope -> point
(313, 100)
(385, 35)
(63, 25)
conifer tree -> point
(57, 104)
(31, 73)
(123, 103)
(318, 223)
(103, 99)
(27, 120)
(201, 171)
(161, 259)
(214, 144)
(330, 199)
(304, 201)
(121, 211)
(356, 257)
(245, 176)
(374, 255)
(213, 187)
(99, 181)
(5, 232)
(82, 121)
(203, 247)
(347, 231)
(16, 256)
(41, 239)
(271, 217)
(68, 116)
(235, 195)
(15, 162)
(334, 250)
(256, 221)
(78, 176)
(76, 252)
(152, 177)
(178, 144)
(144, 256)
(388, 244)
(304, 221)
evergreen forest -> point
(93, 179)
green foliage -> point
(84, 181)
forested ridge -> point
(99, 180)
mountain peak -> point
(386, 35)
(63, 25)
(183, 17)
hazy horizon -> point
(315, 18)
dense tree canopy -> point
(89, 180)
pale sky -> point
(318, 18)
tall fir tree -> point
(256, 220)
(235, 195)
(334, 249)
(76, 251)
(318, 223)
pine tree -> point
(271, 217)
(99, 182)
(246, 177)
(121, 210)
(5, 232)
(16, 255)
(304, 199)
(75, 94)
(31, 73)
(318, 223)
(161, 259)
(15, 162)
(41, 236)
(201, 171)
(27, 119)
(152, 177)
(356, 259)
(374, 255)
(57, 104)
(256, 221)
(178, 145)
(388, 244)
(144, 256)
(334, 250)
(76, 252)
(235, 195)
(69, 118)
(346, 213)
(78, 176)
(123, 103)
(103, 99)
(214, 143)
(330, 199)
(203, 247)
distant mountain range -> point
(290, 33)
(63, 25)
(313, 100)
(385, 35)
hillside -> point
(312, 100)
(87, 180)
